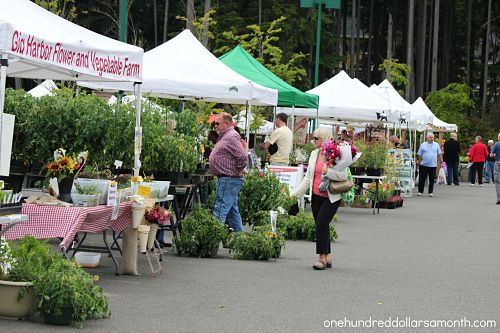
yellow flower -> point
(136, 179)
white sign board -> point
(289, 175)
(7, 132)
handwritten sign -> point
(291, 176)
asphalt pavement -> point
(434, 259)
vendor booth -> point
(34, 43)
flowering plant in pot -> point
(64, 168)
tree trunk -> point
(428, 62)
(369, 60)
(409, 49)
(261, 51)
(353, 29)
(358, 40)
(344, 33)
(165, 21)
(435, 41)
(155, 14)
(469, 30)
(448, 6)
(486, 58)
(389, 39)
(422, 25)
(204, 38)
(189, 14)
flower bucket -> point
(137, 214)
(143, 231)
(153, 228)
(65, 186)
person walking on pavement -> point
(490, 165)
(495, 152)
(227, 161)
(430, 155)
(324, 205)
(451, 158)
(283, 137)
(477, 156)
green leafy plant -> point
(65, 285)
(302, 226)
(259, 244)
(261, 192)
(375, 155)
(30, 258)
(201, 234)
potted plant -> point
(271, 195)
(375, 158)
(359, 167)
(201, 234)
(20, 267)
(66, 294)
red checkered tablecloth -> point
(65, 222)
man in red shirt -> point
(477, 156)
(227, 161)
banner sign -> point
(78, 57)
(291, 176)
(300, 129)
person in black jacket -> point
(451, 158)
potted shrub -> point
(20, 268)
(259, 244)
(271, 195)
(66, 293)
(201, 234)
(359, 167)
(375, 158)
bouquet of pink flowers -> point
(332, 154)
(158, 215)
(330, 151)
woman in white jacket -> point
(324, 204)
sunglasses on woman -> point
(315, 138)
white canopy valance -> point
(182, 68)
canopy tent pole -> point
(293, 126)
(138, 129)
(4, 63)
(247, 128)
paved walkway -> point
(436, 258)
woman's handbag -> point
(340, 187)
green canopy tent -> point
(243, 63)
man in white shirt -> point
(283, 137)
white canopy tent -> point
(266, 129)
(34, 43)
(182, 68)
(46, 88)
(437, 124)
(400, 108)
(342, 99)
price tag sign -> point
(144, 191)
(112, 194)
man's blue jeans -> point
(490, 171)
(226, 201)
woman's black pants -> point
(323, 212)
(477, 167)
